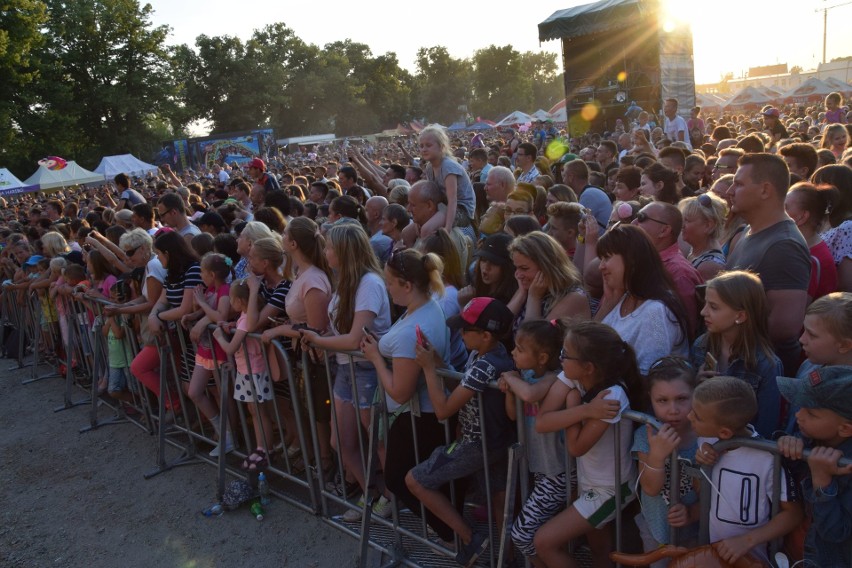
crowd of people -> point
(680, 268)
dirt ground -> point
(80, 500)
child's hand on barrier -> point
(706, 455)
(662, 443)
(823, 465)
(601, 408)
(226, 326)
(732, 549)
(678, 515)
(503, 383)
(791, 447)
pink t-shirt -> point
(255, 353)
(311, 278)
(212, 297)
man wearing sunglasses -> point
(662, 222)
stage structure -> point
(619, 56)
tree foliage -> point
(88, 78)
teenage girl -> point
(737, 342)
(252, 383)
(671, 381)
(597, 365)
(212, 305)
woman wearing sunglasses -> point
(639, 299)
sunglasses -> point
(642, 217)
(131, 252)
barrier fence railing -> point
(303, 481)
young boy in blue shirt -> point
(483, 322)
(824, 398)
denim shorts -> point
(366, 382)
(118, 377)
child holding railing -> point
(596, 363)
(252, 381)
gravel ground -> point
(71, 499)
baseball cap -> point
(826, 387)
(33, 260)
(495, 249)
(772, 112)
(257, 163)
(487, 314)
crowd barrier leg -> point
(70, 353)
(516, 457)
(13, 316)
(187, 456)
(38, 338)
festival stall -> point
(746, 98)
(516, 118)
(129, 164)
(811, 90)
(70, 175)
(11, 185)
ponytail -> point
(434, 267)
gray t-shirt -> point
(464, 193)
(780, 256)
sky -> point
(729, 36)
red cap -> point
(257, 163)
(487, 314)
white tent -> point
(516, 117)
(708, 101)
(72, 174)
(561, 115)
(129, 164)
(838, 85)
(541, 114)
(10, 185)
(812, 89)
(747, 96)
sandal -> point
(257, 461)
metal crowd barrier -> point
(404, 538)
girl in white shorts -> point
(599, 380)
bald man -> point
(380, 242)
(662, 222)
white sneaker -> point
(354, 515)
(383, 507)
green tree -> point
(20, 42)
(442, 85)
(547, 81)
(501, 84)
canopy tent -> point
(72, 174)
(555, 108)
(708, 101)
(456, 126)
(745, 97)
(838, 85)
(10, 185)
(481, 125)
(812, 89)
(769, 92)
(129, 164)
(541, 114)
(516, 117)
(588, 19)
(561, 115)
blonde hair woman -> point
(703, 219)
(549, 285)
(253, 231)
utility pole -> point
(825, 25)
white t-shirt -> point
(741, 500)
(401, 341)
(675, 125)
(154, 269)
(652, 331)
(595, 467)
(371, 296)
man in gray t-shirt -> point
(774, 248)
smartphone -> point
(421, 338)
(371, 333)
(277, 321)
(710, 363)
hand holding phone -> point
(710, 363)
(370, 333)
(421, 337)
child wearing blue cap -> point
(824, 398)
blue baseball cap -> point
(33, 260)
(828, 387)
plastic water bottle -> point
(214, 510)
(257, 510)
(263, 489)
